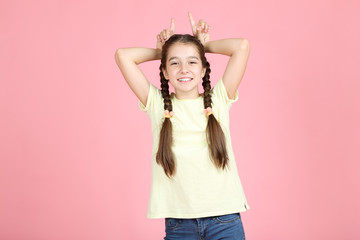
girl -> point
(195, 185)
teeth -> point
(184, 79)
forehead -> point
(182, 50)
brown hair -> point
(215, 135)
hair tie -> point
(168, 114)
(208, 111)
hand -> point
(200, 30)
(165, 35)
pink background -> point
(75, 148)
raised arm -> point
(237, 48)
(128, 59)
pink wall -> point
(75, 149)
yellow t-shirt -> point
(198, 189)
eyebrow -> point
(187, 57)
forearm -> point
(138, 54)
(227, 46)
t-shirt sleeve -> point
(154, 100)
(220, 95)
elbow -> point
(240, 46)
(244, 44)
(120, 55)
(117, 52)
(124, 55)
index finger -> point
(172, 25)
(192, 22)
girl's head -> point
(184, 39)
(184, 65)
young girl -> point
(195, 185)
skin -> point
(184, 61)
(238, 49)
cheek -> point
(201, 72)
(170, 73)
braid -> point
(214, 132)
(165, 91)
(207, 86)
(165, 156)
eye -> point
(173, 63)
(193, 62)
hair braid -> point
(165, 156)
(165, 91)
(207, 86)
(214, 132)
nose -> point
(183, 69)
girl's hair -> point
(215, 135)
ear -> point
(165, 74)
(203, 72)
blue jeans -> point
(222, 227)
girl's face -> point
(184, 70)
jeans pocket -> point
(172, 223)
(227, 218)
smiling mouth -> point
(184, 79)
